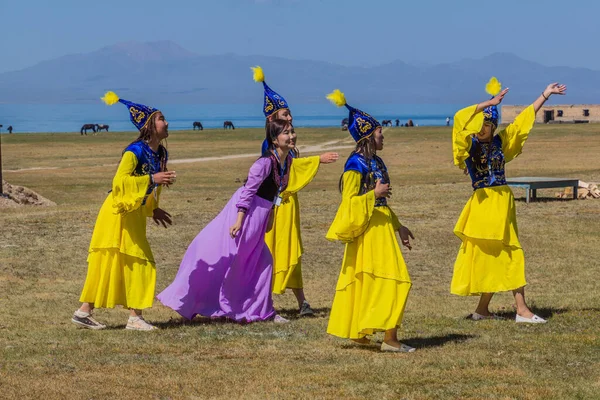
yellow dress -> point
(284, 240)
(121, 267)
(490, 258)
(373, 284)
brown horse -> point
(386, 122)
(85, 128)
(198, 124)
(228, 124)
(101, 127)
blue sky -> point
(349, 32)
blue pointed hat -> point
(490, 114)
(360, 124)
(138, 113)
(273, 100)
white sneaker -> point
(533, 320)
(139, 324)
(278, 319)
(402, 349)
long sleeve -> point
(466, 123)
(302, 171)
(355, 211)
(514, 135)
(395, 221)
(128, 191)
(259, 171)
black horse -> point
(198, 124)
(85, 128)
(101, 127)
(386, 122)
(228, 124)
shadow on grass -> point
(292, 313)
(544, 312)
(178, 322)
(418, 343)
(437, 341)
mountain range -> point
(165, 73)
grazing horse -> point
(101, 127)
(198, 125)
(228, 124)
(85, 128)
(386, 122)
(9, 129)
(345, 123)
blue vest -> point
(370, 174)
(148, 161)
(486, 168)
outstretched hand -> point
(328, 158)
(497, 99)
(160, 216)
(555, 88)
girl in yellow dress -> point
(121, 267)
(373, 284)
(490, 258)
(284, 239)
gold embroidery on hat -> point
(136, 114)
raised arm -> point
(494, 101)
(553, 88)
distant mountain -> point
(163, 72)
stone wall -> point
(552, 113)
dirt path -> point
(327, 146)
(318, 148)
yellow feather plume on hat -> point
(493, 87)
(337, 98)
(259, 75)
(110, 98)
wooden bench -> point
(531, 184)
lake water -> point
(69, 118)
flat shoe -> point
(478, 317)
(402, 349)
(533, 320)
(278, 319)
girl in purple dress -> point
(227, 269)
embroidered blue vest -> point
(148, 161)
(370, 174)
(486, 168)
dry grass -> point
(43, 265)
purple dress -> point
(224, 277)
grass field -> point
(43, 265)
